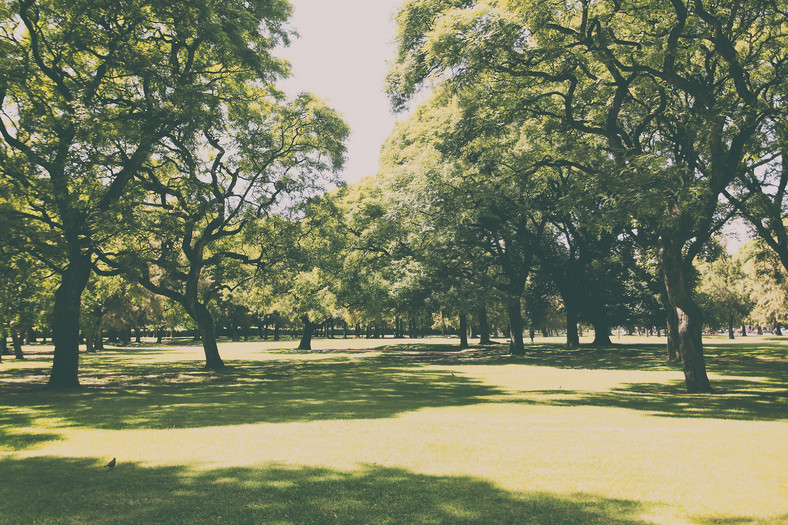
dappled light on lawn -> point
(416, 434)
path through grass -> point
(405, 433)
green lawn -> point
(408, 432)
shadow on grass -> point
(57, 490)
(178, 396)
(742, 400)
(751, 382)
(124, 394)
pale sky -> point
(341, 56)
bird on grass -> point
(111, 464)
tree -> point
(262, 158)
(475, 191)
(89, 89)
(723, 291)
(680, 93)
(767, 283)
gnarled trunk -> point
(690, 321)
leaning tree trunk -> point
(207, 330)
(65, 323)
(484, 327)
(690, 320)
(463, 331)
(514, 309)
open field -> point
(399, 432)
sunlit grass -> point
(365, 431)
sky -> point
(341, 56)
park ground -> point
(398, 432)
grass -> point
(398, 432)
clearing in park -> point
(397, 431)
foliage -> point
(767, 284)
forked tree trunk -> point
(690, 321)
(514, 309)
(65, 323)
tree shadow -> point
(178, 396)
(747, 386)
(131, 493)
(750, 381)
(733, 399)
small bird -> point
(111, 464)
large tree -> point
(473, 194)
(89, 88)
(257, 156)
(679, 92)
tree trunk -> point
(514, 309)
(207, 330)
(16, 340)
(572, 336)
(306, 338)
(65, 324)
(743, 330)
(601, 331)
(730, 328)
(484, 327)
(690, 321)
(672, 319)
(89, 337)
(463, 331)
